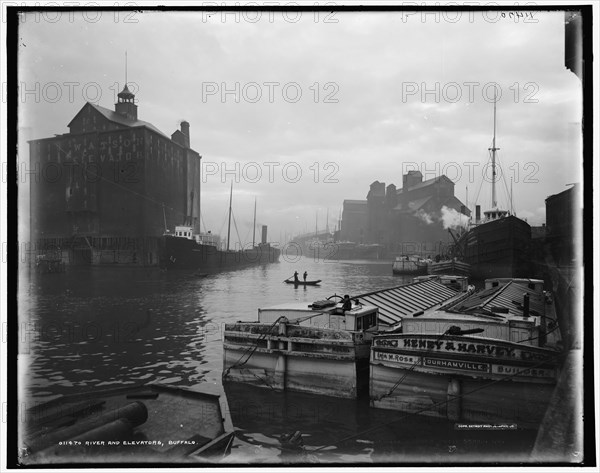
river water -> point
(99, 327)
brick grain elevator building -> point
(108, 189)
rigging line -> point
(261, 337)
(437, 404)
(264, 380)
(395, 386)
(224, 222)
(202, 221)
(539, 336)
(508, 196)
(481, 184)
(236, 230)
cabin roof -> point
(403, 301)
(289, 306)
(508, 295)
(304, 306)
(443, 315)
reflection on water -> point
(347, 431)
(104, 326)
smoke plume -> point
(452, 218)
(424, 216)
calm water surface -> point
(108, 326)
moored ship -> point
(489, 357)
(183, 249)
(499, 244)
(322, 348)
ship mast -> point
(254, 225)
(200, 197)
(493, 149)
(511, 200)
(229, 224)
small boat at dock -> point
(409, 265)
(149, 423)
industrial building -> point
(109, 188)
(413, 219)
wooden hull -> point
(462, 378)
(311, 360)
(458, 268)
(431, 394)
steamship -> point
(499, 244)
(184, 249)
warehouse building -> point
(109, 188)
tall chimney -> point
(477, 213)
(185, 129)
(264, 235)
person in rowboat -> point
(296, 276)
(305, 274)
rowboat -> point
(303, 283)
(141, 424)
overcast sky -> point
(362, 115)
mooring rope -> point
(252, 349)
(395, 386)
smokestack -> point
(477, 213)
(525, 305)
(264, 235)
(185, 129)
